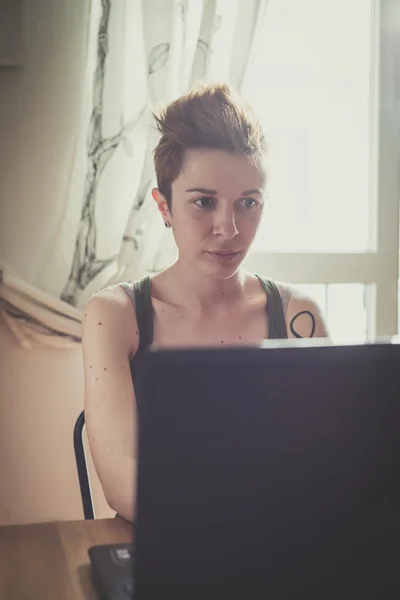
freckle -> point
(85, 314)
(105, 368)
(96, 379)
(249, 297)
(137, 333)
(99, 323)
(222, 341)
(90, 367)
(182, 317)
(240, 337)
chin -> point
(220, 271)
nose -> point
(224, 225)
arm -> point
(304, 318)
(109, 337)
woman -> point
(211, 179)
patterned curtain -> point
(140, 55)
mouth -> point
(225, 256)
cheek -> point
(248, 225)
(189, 229)
(192, 221)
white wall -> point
(41, 395)
(41, 390)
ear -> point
(161, 203)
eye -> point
(249, 203)
(205, 202)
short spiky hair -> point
(210, 116)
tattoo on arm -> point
(312, 324)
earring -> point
(167, 224)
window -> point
(323, 80)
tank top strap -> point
(140, 294)
(276, 315)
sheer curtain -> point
(140, 54)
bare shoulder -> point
(113, 300)
(304, 317)
(110, 315)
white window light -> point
(325, 83)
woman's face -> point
(217, 203)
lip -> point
(224, 256)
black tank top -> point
(140, 294)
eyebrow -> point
(214, 192)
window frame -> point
(378, 269)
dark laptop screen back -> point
(269, 471)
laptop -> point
(264, 472)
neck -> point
(199, 290)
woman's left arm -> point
(304, 318)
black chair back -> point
(82, 468)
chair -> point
(81, 464)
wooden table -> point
(49, 561)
